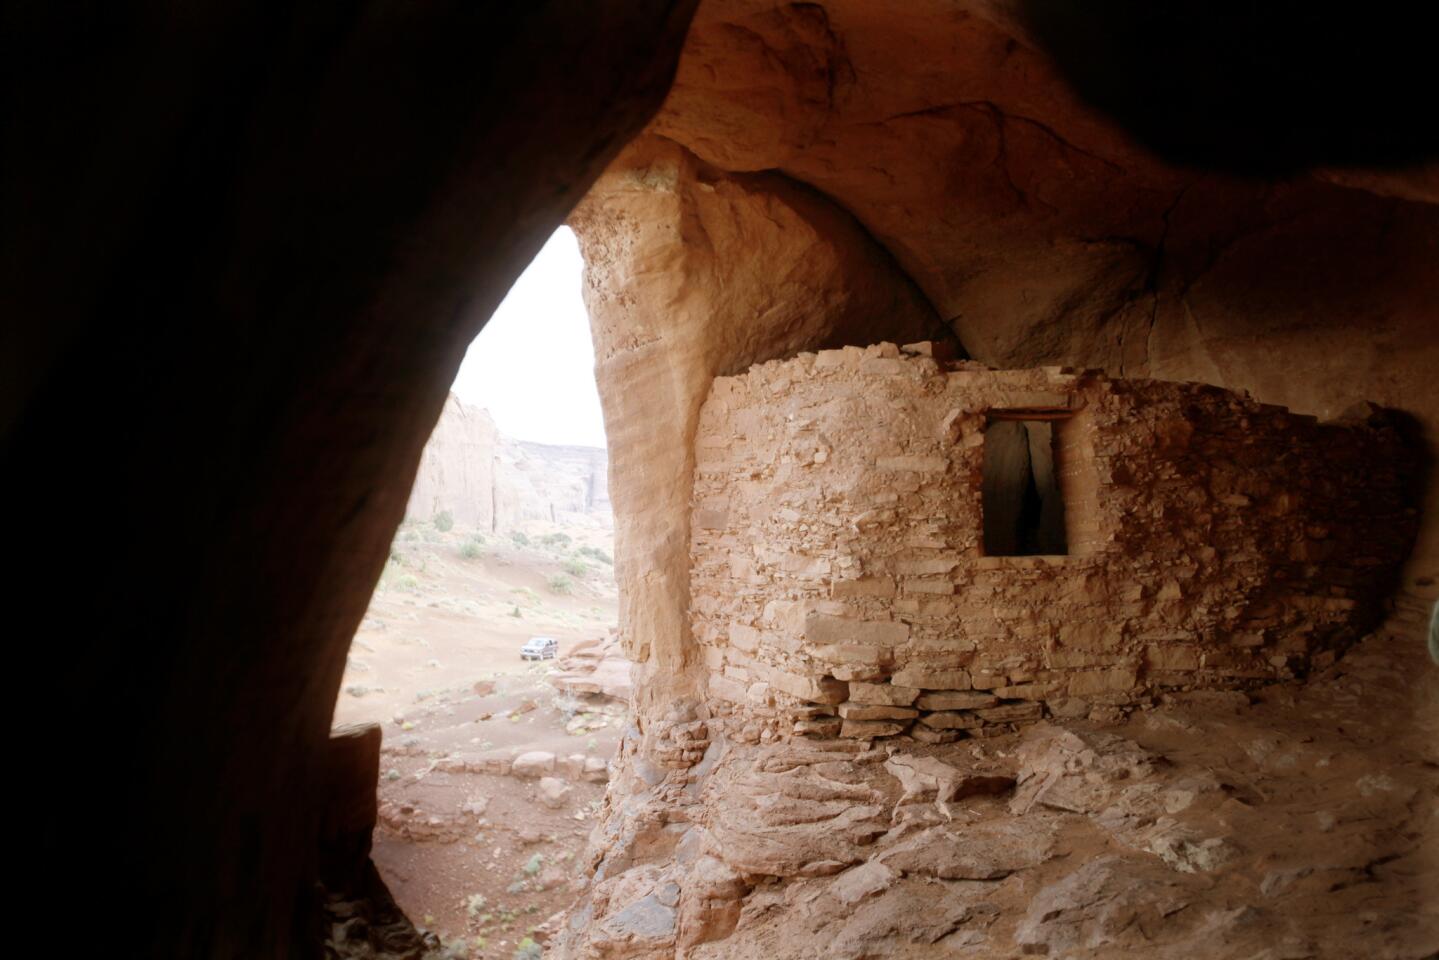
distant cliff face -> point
(491, 482)
(539, 481)
(457, 469)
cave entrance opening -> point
(1022, 502)
(488, 655)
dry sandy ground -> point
(473, 857)
(439, 621)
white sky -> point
(533, 366)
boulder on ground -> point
(534, 764)
(553, 792)
(595, 669)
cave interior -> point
(263, 239)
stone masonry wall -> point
(838, 579)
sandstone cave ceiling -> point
(1038, 227)
(840, 173)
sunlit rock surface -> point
(841, 173)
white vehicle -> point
(540, 648)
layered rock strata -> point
(840, 580)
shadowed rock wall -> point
(263, 237)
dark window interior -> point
(1023, 509)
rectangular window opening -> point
(1022, 503)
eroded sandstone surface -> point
(1296, 821)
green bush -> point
(560, 583)
(444, 521)
(519, 538)
(471, 550)
(528, 949)
(556, 540)
(595, 553)
(408, 582)
(576, 568)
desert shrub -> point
(595, 553)
(444, 521)
(556, 540)
(567, 704)
(528, 949)
(560, 583)
(408, 582)
(471, 550)
(518, 536)
(576, 568)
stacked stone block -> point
(840, 587)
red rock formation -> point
(1040, 232)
